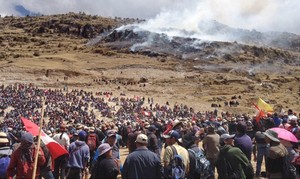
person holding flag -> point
(22, 159)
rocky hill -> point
(83, 51)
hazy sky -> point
(263, 15)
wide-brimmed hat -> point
(189, 139)
(3, 138)
(272, 135)
(103, 148)
(176, 123)
(92, 129)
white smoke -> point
(178, 16)
(204, 19)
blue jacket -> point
(79, 154)
(142, 164)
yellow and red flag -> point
(263, 108)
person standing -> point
(22, 159)
(142, 163)
(276, 154)
(211, 145)
(191, 142)
(60, 162)
(79, 155)
(153, 142)
(261, 151)
(172, 141)
(231, 160)
(242, 140)
(106, 167)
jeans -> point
(261, 153)
(47, 175)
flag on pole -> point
(54, 148)
(262, 105)
(262, 108)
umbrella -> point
(285, 134)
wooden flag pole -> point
(39, 140)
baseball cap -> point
(111, 133)
(142, 138)
(152, 128)
(225, 137)
(171, 134)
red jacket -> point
(23, 169)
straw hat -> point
(3, 138)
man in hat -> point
(172, 140)
(153, 144)
(106, 167)
(22, 159)
(79, 155)
(211, 145)
(191, 142)
(142, 163)
(231, 160)
(275, 156)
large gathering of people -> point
(163, 141)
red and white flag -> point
(54, 148)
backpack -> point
(92, 142)
(203, 167)
(4, 162)
(175, 169)
(225, 168)
(288, 169)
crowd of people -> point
(93, 126)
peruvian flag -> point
(54, 148)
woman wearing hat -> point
(275, 156)
(106, 167)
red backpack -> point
(92, 142)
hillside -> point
(66, 51)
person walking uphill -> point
(142, 163)
(79, 157)
(22, 159)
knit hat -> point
(82, 135)
(27, 137)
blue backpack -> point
(4, 162)
(203, 167)
(176, 168)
